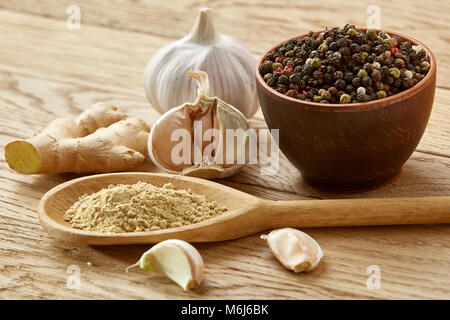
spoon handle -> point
(357, 212)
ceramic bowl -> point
(350, 146)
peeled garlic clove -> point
(176, 259)
(294, 249)
(191, 139)
(228, 62)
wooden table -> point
(47, 71)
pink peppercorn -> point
(277, 70)
(289, 67)
(394, 50)
(279, 59)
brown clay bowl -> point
(350, 146)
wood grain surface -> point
(47, 71)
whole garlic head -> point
(191, 139)
(294, 249)
(228, 62)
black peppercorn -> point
(338, 75)
(264, 68)
(367, 82)
(283, 79)
(376, 76)
(340, 84)
(294, 78)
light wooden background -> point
(47, 70)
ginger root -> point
(101, 139)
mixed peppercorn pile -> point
(344, 66)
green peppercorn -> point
(326, 95)
(394, 72)
(290, 53)
(371, 34)
(362, 73)
(267, 77)
(364, 55)
(316, 63)
(345, 98)
(321, 91)
(389, 42)
(276, 65)
(352, 33)
(316, 98)
(381, 94)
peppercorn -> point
(290, 53)
(292, 93)
(345, 51)
(338, 75)
(345, 98)
(340, 84)
(301, 96)
(389, 42)
(376, 76)
(332, 90)
(371, 34)
(425, 66)
(352, 33)
(264, 68)
(408, 74)
(316, 98)
(294, 78)
(356, 82)
(362, 73)
(349, 88)
(276, 65)
(267, 76)
(283, 79)
(281, 88)
(362, 97)
(381, 94)
(367, 81)
(277, 70)
(361, 90)
(326, 95)
(294, 86)
(394, 72)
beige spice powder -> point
(139, 207)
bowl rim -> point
(359, 106)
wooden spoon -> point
(246, 214)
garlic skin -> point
(228, 62)
(176, 259)
(294, 249)
(211, 113)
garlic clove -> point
(181, 140)
(294, 249)
(176, 259)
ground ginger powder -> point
(139, 207)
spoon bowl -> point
(246, 214)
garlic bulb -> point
(227, 61)
(204, 150)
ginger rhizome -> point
(101, 139)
